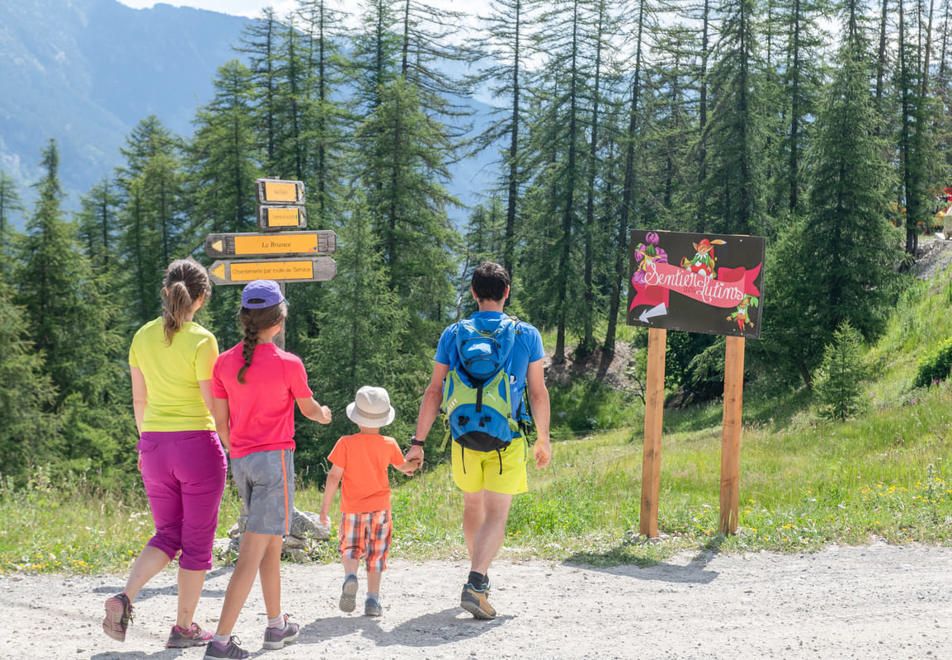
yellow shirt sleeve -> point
(206, 352)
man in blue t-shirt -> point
(489, 479)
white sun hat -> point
(371, 407)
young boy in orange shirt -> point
(360, 461)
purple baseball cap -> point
(261, 293)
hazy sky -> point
(249, 8)
(252, 8)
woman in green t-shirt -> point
(182, 461)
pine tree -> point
(223, 156)
(260, 43)
(97, 225)
(802, 80)
(559, 137)
(506, 49)
(223, 163)
(734, 185)
(427, 51)
(403, 166)
(10, 204)
(644, 21)
(839, 377)
(72, 326)
(915, 152)
(326, 118)
(600, 30)
(292, 105)
(483, 239)
(153, 220)
(835, 263)
(26, 394)
(360, 341)
(376, 58)
(670, 144)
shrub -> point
(837, 382)
(936, 366)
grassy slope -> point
(804, 482)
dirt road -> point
(874, 601)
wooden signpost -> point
(698, 283)
(293, 256)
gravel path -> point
(876, 601)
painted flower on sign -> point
(646, 254)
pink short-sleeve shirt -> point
(261, 412)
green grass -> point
(885, 476)
(804, 482)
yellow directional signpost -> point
(280, 204)
(295, 256)
(271, 244)
(317, 269)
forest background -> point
(821, 126)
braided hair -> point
(254, 321)
(185, 282)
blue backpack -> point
(476, 395)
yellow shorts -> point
(502, 472)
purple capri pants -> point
(184, 474)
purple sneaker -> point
(276, 638)
(229, 650)
(181, 638)
(118, 616)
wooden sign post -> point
(654, 411)
(293, 254)
(730, 433)
(697, 283)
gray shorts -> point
(265, 481)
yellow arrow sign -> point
(276, 191)
(281, 217)
(318, 269)
(271, 244)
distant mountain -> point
(85, 72)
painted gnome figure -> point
(739, 315)
(703, 260)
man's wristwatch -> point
(414, 442)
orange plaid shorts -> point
(366, 535)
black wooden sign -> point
(710, 283)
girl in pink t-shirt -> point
(255, 385)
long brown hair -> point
(254, 321)
(185, 281)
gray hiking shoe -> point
(230, 649)
(118, 616)
(476, 602)
(372, 607)
(276, 638)
(181, 638)
(348, 594)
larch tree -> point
(223, 162)
(10, 204)
(835, 262)
(504, 43)
(66, 314)
(154, 227)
